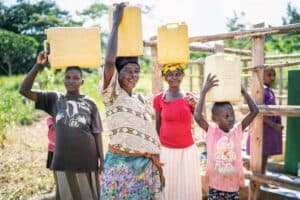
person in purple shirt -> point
(272, 128)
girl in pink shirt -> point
(224, 173)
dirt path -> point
(22, 162)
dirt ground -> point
(23, 172)
(23, 162)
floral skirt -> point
(129, 177)
(217, 194)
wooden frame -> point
(258, 64)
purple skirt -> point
(272, 142)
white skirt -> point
(181, 168)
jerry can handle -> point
(46, 46)
(175, 24)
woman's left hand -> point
(278, 128)
(100, 168)
(192, 100)
(118, 13)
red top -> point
(51, 134)
(176, 121)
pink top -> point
(176, 121)
(51, 134)
(224, 163)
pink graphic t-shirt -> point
(224, 163)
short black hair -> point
(270, 69)
(218, 105)
(75, 68)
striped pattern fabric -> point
(181, 169)
(76, 186)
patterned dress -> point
(132, 130)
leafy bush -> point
(14, 109)
(17, 52)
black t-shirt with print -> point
(77, 120)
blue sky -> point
(204, 17)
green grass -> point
(14, 109)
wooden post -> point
(280, 86)
(157, 84)
(276, 65)
(201, 75)
(275, 110)
(201, 82)
(245, 64)
(257, 125)
(191, 76)
(219, 48)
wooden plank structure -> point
(257, 57)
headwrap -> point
(122, 61)
(171, 68)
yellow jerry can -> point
(73, 46)
(173, 44)
(130, 37)
(228, 72)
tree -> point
(32, 19)
(18, 52)
(293, 16)
(235, 24)
(94, 12)
(25, 24)
(287, 43)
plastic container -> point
(173, 44)
(73, 46)
(130, 37)
(227, 69)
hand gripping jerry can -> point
(173, 44)
(228, 72)
(130, 38)
(73, 46)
